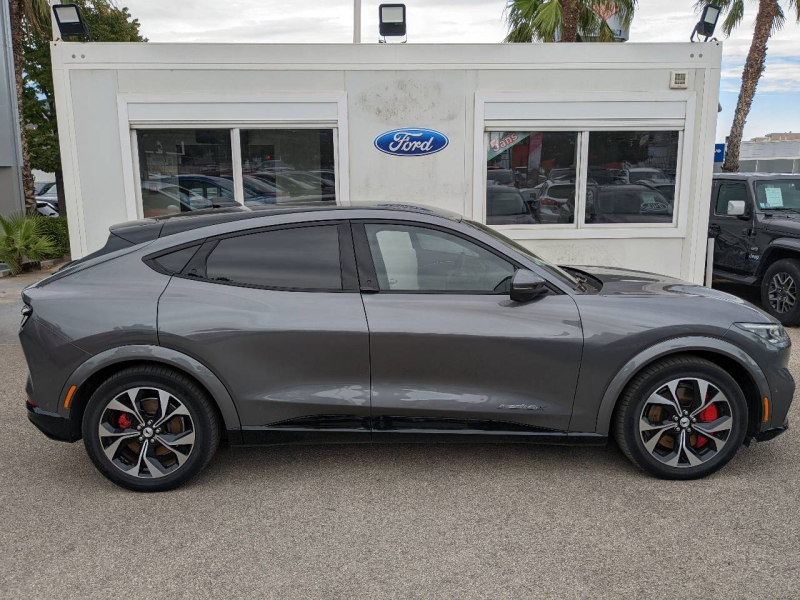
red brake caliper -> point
(709, 414)
(124, 421)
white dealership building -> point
(587, 153)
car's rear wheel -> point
(150, 429)
(780, 289)
(681, 418)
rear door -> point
(277, 315)
(450, 352)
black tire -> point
(200, 409)
(652, 379)
(781, 269)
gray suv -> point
(384, 323)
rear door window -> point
(300, 258)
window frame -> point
(235, 129)
(195, 269)
(368, 275)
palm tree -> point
(576, 20)
(770, 18)
(33, 15)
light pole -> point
(356, 21)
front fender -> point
(673, 346)
(165, 356)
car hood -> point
(788, 224)
(624, 282)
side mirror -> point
(527, 285)
(736, 208)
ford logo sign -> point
(411, 141)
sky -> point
(776, 107)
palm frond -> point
(796, 6)
(547, 20)
(779, 20)
(36, 14)
(734, 17)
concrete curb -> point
(51, 262)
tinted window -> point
(174, 262)
(198, 161)
(631, 176)
(299, 258)
(527, 160)
(728, 192)
(411, 259)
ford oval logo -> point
(411, 141)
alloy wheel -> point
(686, 422)
(146, 432)
(782, 292)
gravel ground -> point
(391, 521)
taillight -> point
(549, 202)
(27, 311)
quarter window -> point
(416, 259)
(305, 258)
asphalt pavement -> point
(391, 521)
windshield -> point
(505, 203)
(520, 249)
(778, 194)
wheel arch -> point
(778, 249)
(737, 363)
(100, 367)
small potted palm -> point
(22, 239)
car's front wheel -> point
(150, 429)
(681, 418)
(779, 291)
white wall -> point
(102, 90)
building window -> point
(530, 176)
(631, 176)
(624, 177)
(289, 165)
(184, 169)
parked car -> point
(384, 323)
(627, 203)
(500, 177)
(506, 206)
(755, 223)
(47, 198)
(160, 198)
(548, 199)
(636, 174)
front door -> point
(278, 316)
(449, 350)
(733, 234)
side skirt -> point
(273, 436)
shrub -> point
(56, 228)
(21, 237)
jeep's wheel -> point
(150, 429)
(681, 418)
(779, 291)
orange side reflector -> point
(766, 409)
(71, 392)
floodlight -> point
(392, 19)
(708, 21)
(70, 21)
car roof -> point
(749, 176)
(155, 227)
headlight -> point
(771, 332)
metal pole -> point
(709, 262)
(356, 21)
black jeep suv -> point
(755, 221)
